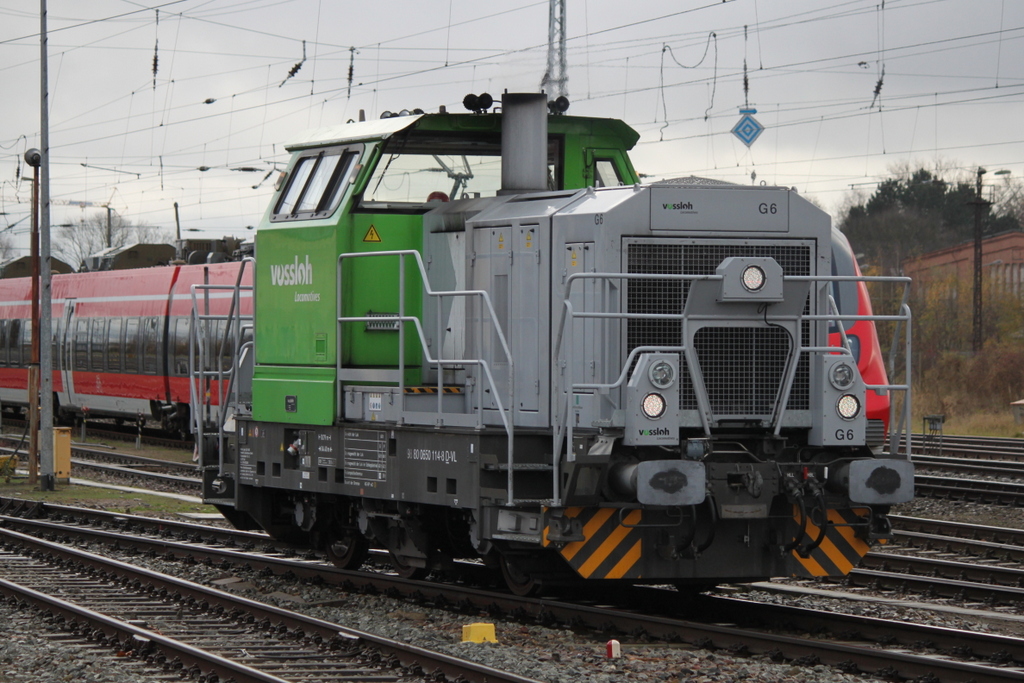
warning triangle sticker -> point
(372, 235)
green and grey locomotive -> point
(478, 335)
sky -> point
(192, 101)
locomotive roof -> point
(354, 131)
(381, 129)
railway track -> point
(951, 655)
(983, 447)
(175, 482)
(974, 490)
(125, 433)
(180, 477)
(204, 633)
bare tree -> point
(74, 243)
(7, 247)
(1008, 197)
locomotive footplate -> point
(402, 464)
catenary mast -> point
(556, 78)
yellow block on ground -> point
(478, 633)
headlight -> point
(842, 376)
(848, 406)
(662, 374)
(653, 406)
(753, 278)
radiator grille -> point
(742, 367)
(653, 296)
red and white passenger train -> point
(120, 340)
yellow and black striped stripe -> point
(610, 549)
(839, 552)
(433, 390)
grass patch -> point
(979, 423)
(984, 424)
(104, 499)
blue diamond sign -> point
(748, 129)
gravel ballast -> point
(555, 655)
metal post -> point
(46, 311)
(979, 205)
(33, 158)
(108, 226)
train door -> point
(67, 360)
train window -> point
(114, 343)
(416, 171)
(26, 342)
(317, 183)
(131, 345)
(54, 350)
(225, 342)
(98, 344)
(420, 175)
(182, 327)
(296, 182)
(150, 346)
(328, 182)
(3, 342)
(81, 342)
(606, 174)
(13, 344)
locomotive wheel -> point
(404, 570)
(517, 580)
(347, 549)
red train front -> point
(852, 299)
(120, 340)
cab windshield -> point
(416, 171)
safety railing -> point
(213, 372)
(562, 361)
(901, 420)
(402, 319)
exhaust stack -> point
(524, 143)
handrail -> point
(562, 347)
(402, 318)
(200, 376)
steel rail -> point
(979, 490)
(190, 483)
(112, 627)
(408, 655)
(706, 635)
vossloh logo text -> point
(295, 273)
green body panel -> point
(312, 389)
(297, 327)
(296, 304)
(371, 286)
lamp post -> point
(34, 158)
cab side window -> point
(606, 173)
(316, 184)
